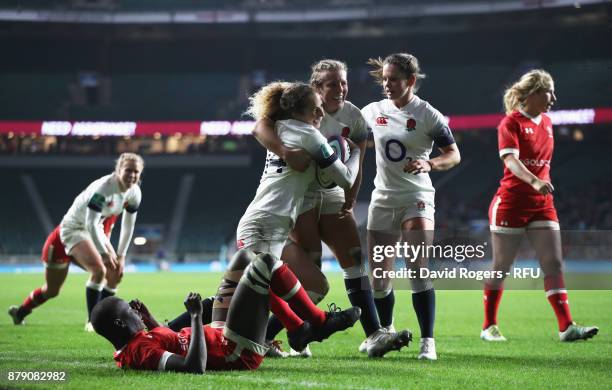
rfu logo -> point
(381, 121)
(346, 131)
(528, 130)
(411, 124)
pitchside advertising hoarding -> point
(582, 116)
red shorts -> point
(53, 253)
(225, 352)
(513, 213)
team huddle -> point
(316, 141)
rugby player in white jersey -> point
(405, 128)
(326, 213)
(83, 235)
(270, 217)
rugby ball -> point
(341, 148)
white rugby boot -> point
(427, 350)
(275, 350)
(305, 353)
(577, 332)
(492, 333)
(363, 347)
(89, 327)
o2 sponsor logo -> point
(535, 163)
(381, 121)
(395, 151)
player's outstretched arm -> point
(195, 361)
(297, 159)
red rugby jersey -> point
(532, 143)
(145, 349)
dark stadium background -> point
(72, 61)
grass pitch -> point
(54, 340)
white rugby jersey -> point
(281, 189)
(104, 197)
(402, 135)
(346, 122)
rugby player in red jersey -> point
(524, 204)
(235, 338)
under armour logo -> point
(528, 130)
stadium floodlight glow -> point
(56, 128)
(139, 241)
(243, 127)
(216, 127)
(580, 116)
(572, 117)
(104, 128)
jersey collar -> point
(537, 119)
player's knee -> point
(269, 261)
(380, 284)
(98, 273)
(241, 260)
(318, 293)
(421, 284)
(383, 292)
(116, 278)
(315, 257)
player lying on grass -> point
(234, 344)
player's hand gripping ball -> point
(342, 150)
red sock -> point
(287, 317)
(554, 285)
(33, 300)
(288, 288)
(492, 297)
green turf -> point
(53, 339)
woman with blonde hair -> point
(281, 194)
(523, 204)
(405, 128)
(327, 213)
(82, 237)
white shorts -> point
(391, 219)
(328, 202)
(331, 201)
(260, 231)
(70, 237)
(312, 199)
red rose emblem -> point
(345, 132)
(411, 124)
